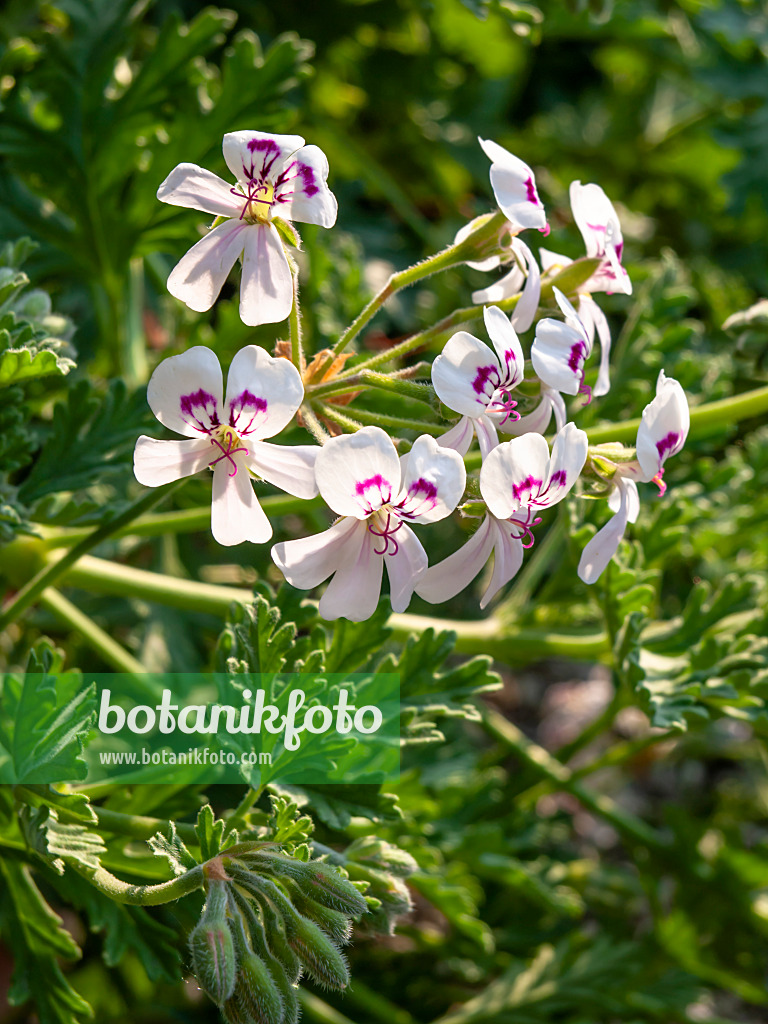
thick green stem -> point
(107, 577)
(141, 895)
(540, 760)
(100, 641)
(51, 572)
(183, 520)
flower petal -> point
(664, 426)
(184, 392)
(358, 473)
(198, 276)
(160, 462)
(558, 353)
(194, 187)
(594, 320)
(513, 472)
(263, 393)
(595, 217)
(236, 514)
(266, 289)
(485, 431)
(601, 549)
(405, 567)
(459, 437)
(514, 187)
(310, 560)
(507, 345)
(466, 374)
(258, 155)
(535, 422)
(434, 479)
(553, 262)
(569, 453)
(301, 192)
(448, 578)
(289, 467)
(528, 303)
(504, 288)
(508, 554)
(354, 591)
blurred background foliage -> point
(531, 906)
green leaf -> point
(209, 832)
(91, 438)
(173, 849)
(59, 843)
(427, 694)
(336, 805)
(38, 940)
(44, 719)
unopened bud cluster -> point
(267, 918)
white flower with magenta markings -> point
(558, 354)
(276, 176)
(517, 480)
(662, 432)
(477, 382)
(227, 435)
(377, 494)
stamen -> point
(254, 187)
(526, 528)
(227, 453)
(388, 535)
(585, 389)
(660, 483)
(507, 406)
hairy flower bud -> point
(317, 952)
(288, 991)
(333, 922)
(214, 961)
(321, 882)
(379, 854)
(256, 992)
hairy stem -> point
(141, 895)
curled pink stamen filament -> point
(660, 483)
(228, 452)
(388, 535)
(507, 406)
(526, 529)
(585, 389)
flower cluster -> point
(267, 918)
(377, 494)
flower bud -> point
(333, 922)
(258, 936)
(325, 884)
(256, 992)
(380, 854)
(320, 956)
(214, 961)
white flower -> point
(276, 175)
(263, 394)
(662, 432)
(599, 226)
(516, 480)
(476, 382)
(377, 494)
(558, 354)
(514, 187)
